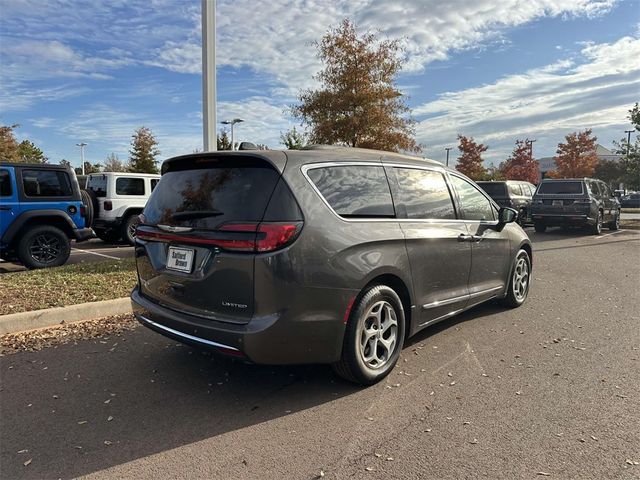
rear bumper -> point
(107, 224)
(562, 219)
(274, 339)
(82, 234)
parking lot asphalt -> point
(94, 250)
(549, 389)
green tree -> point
(88, 168)
(65, 163)
(143, 153)
(470, 159)
(223, 141)
(630, 153)
(357, 103)
(292, 139)
(9, 147)
(610, 171)
(29, 153)
(113, 164)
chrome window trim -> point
(431, 168)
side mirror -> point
(507, 215)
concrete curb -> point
(20, 322)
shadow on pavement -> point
(86, 407)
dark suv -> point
(326, 255)
(41, 211)
(578, 202)
(515, 194)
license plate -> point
(557, 203)
(180, 259)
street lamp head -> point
(81, 144)
(232, 122)
(237, 120)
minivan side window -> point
(5, 183)
(355, 191)
(475, 206)
(129, 186)
(46, 183)
(424, 194)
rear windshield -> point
(98, 185)
(493, 188)
(207, 198)
(560, 188)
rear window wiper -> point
(196, 214)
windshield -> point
(207, 198)
(560, 188)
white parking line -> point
(612, 233)
(96, 253)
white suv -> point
(117, 200)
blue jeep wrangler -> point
(41, 210)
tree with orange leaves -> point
(577, 157)
(470, 159)
(521, 165)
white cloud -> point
(550, 102)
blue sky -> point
(91, 71)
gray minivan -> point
(324, 255)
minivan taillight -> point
(270, 236)
(253, 237)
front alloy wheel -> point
(520, 281)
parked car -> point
(515, 194)
(325, 255)
(41, 211)
(117, 199)
(630, 201)
(581, 202)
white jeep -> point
(117, 199)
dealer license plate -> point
(180, 259)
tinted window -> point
(129, 186)
(98, 185)
(154, 182)
(46, 183)
(213, 196)
(494, 188)
(424, 194)
(475, 206)
(560, 188)
(354, 191)
(5, 183)
(514, 189)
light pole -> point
(529, 143)
(628, 132)
(447, 149)
(81, 145)
(209, 75)
(232, 123)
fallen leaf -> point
(389, 459)
(28, 462)
(369, 469)
(109, 418)
(107, 442)
(23, 451)
(544, 474)
(378, 455)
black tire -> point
(615, 223)
(44, 246)
(540, 227)
(596, 229)
(352, 366)
(109, 236)
(517, 292)
(128, 229)
(89, 208)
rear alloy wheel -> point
(373, 338)
(43, 247)
(597, 227)
(129, 229)
(519, 282)
(615, 223)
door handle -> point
(465, 238)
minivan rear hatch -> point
(203, 226)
